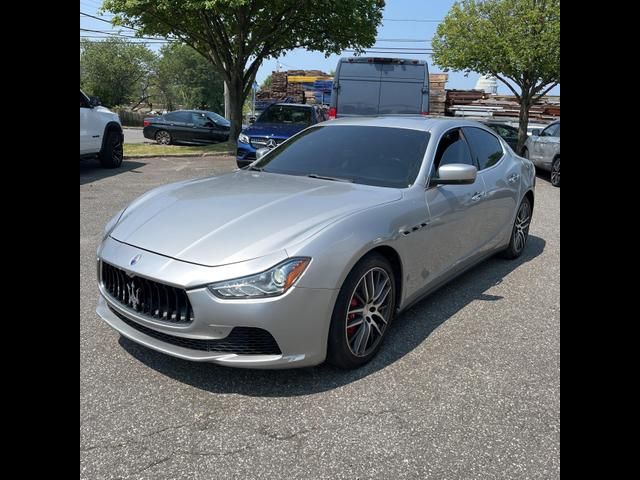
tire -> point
(520, 232)
(347, 347)
(163, 137)
(111, 154)
(555, 172)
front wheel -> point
(112, 154)
(364, 309)
(555, 173)
(520, 232)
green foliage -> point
(517, 41)
(115, 70)
(184, 78)
(267, 82)
(237, 35)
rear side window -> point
(453, 149)
(184, 117)
(486, 149)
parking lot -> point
(465, 386)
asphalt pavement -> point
(134, 135)
(466, 385)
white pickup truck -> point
(100, 133)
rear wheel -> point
(520, 232)
(364, 309)
(555, 172)
(111, 154)
(163, 137)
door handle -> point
(477, 196)
(513, 178)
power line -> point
(97, 18)
(118, 34)
(400, 40)
(410, 20)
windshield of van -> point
(370, 155)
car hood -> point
(239, 216)
(279, 130)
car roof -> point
(412, 122)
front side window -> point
(486, 148)
(381, 156)
(551, 131)
(200, 120)
(452, 149)
(84, 101)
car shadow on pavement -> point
(409, 330)
(91, 170)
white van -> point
(380, 86)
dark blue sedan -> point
(277, 123)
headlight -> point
(244, 138)
(112, 223)
(271, 283)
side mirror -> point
(94, 102)
(261, 152)
(455, 174)
(536, 132)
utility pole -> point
(226, 101)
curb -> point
(155, 155)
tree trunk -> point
(523, 123)
(236, 101)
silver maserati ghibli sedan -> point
(310, 253)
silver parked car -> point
(310, 252)
(543, 149)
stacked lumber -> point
(299, 86)
(437, 94)
(477, 103)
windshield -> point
(220, 120)
(381, 156)
(286, 114)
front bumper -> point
(298, 320)
(245, 154)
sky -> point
(407, 24)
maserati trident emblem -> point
(135, 259)
(134, 294)
(271, 143)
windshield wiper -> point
(333, 179)
(257, 169)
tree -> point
(115, 70)
(184, 77)
(517, 41)
(235, 36)
(266, 83)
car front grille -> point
(146, 297)
(260, 142)
(241, 340)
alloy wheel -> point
(163, 137)
(521, 230)
(368, 312)
(555, 173)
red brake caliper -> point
(351, 316)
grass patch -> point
(156, 150)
